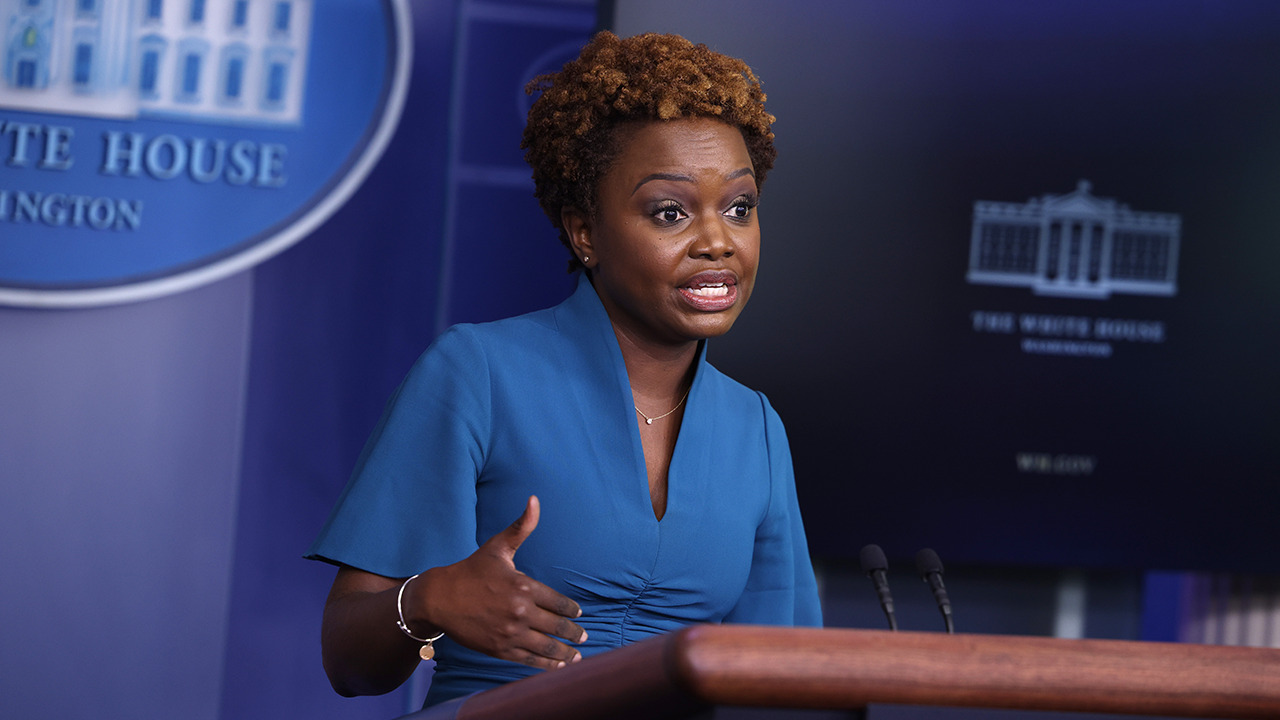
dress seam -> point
(626, 614)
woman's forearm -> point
(364, 652)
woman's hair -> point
(572, 136)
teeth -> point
(710, 290)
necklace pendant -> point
(648, 421)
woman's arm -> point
(481, 602)
(364, 652)
(781, 589)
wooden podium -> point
(687, 672)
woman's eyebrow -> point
(661, 176)
(685, 178)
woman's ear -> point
(577, 225)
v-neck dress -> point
(540, 404)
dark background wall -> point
(894, 121)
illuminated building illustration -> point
(206, 60)
(1074, 245)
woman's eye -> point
(741, 208)
(669, 214)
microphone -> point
(930, 567)
(875, 566)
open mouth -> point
(711, 291)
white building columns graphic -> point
(1074, 245)
(205, 60)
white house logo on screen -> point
(1074, 245)
(149, 146)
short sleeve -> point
(411, 502)
(781, 588)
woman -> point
(648, 490)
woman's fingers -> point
(525, 633)
(494, 608)
(537, 607)
(552, 601)
(555, 625)
(539, 650)
(506, 543)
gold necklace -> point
(649, 420)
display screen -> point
(1019, 297)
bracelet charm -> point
(426, 652)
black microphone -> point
(930, 567)
(875, 566)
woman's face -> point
(674, 242)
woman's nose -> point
(714, 241)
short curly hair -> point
(572, 135)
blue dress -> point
(540, 404)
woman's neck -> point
(658, 373)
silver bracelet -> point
(426, 652)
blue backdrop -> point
(164, 464)
(446, 230)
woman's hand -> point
(486, 604)
(482, 602)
